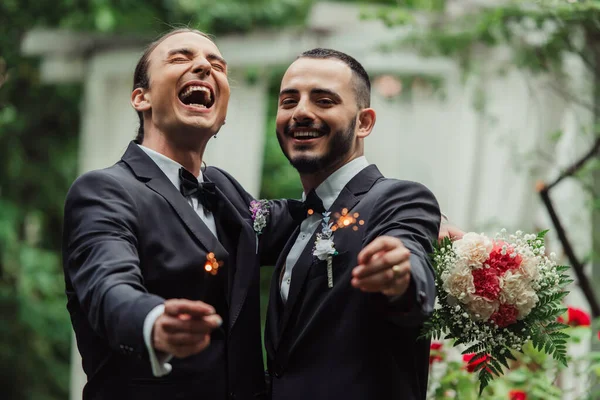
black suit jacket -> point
(341, 343)
(132, 240)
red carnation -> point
(503, 263)
(487, 283)
(517, 395)
(506, 315)
(473, 363)
(436, 355)
(578, 317)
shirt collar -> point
(330, 189)
(169, 167)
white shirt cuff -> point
(159, 362)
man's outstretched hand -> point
(184, 328)
(383, 266)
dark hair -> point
(141, 79)
(362, 83)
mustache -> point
(322, 127)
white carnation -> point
(473, 247)
(458, 282)
(517, 291)
(481, 309)
(530, 267)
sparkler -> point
(212, 265)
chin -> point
(306, 164)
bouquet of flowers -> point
(497, 294)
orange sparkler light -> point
(346, 220)
(212, 265)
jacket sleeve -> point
(410, 212)
(279, 229)
(101, 261)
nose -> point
(302, 113)
(202, 67)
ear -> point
(140, 100)
(366, 122)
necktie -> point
(299, 210)
(205, 191)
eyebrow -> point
(183, 51)
(312, 92)
(190, 53)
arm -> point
(102, 263)
(280, 227)
(395, 259)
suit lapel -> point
(147, 171)
(240, 271)
(347, 199)
(274, 317)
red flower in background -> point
(473, 363)
(503, 263)
(435, 349)
(506, 315)
(517, 395)
(578, 317)
(487, 283)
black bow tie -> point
(300, 210)
(205, 191)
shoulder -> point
(402, 188)
(218, 174)
(112, 179)
(224, 181)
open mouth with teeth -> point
(197, 96)
(307, 135)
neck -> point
(188, 155)
(312, 181)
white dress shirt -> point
(328, 191)
(160, 364)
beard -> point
(340, 144)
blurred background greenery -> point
(40, 124)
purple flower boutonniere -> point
(260, 212)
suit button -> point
(232, 396)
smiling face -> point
(317, 115)
(188, 90)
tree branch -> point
(582, 279)
(577, 165)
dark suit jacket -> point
(341, 343)
(131, 240)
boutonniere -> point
(324, 248)
(260, 212)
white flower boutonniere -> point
(260, 212)
(324, 248)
